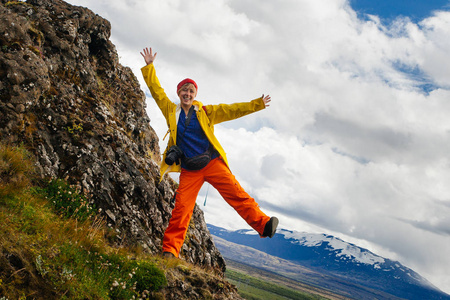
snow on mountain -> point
(344, 249)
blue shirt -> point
(193, 141)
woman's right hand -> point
(148, 56)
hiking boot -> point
(168, 255)
(270, 228)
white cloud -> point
(434, 54)
(351, 145)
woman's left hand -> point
(266, 100)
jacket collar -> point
(196, 105)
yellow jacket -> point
(207, 115)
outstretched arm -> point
(219, 113)
(148, 56)
(153, 84)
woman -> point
(194, 151)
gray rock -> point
(65, 96)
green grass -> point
(53, 246)
(253, 288)
(65, 200)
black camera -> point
(173, 155)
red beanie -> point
(183, 82)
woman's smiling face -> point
(187, 95)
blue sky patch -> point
(389, 10)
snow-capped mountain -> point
(343, 251)
(351, 270)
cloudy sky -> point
(356, 142)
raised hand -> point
(148, 56)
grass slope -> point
(252, 288)
(53, 245)
(255, 283)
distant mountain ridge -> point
(340, 262)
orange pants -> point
(219, 176)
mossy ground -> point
(54, 245)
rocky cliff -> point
(65, 97)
